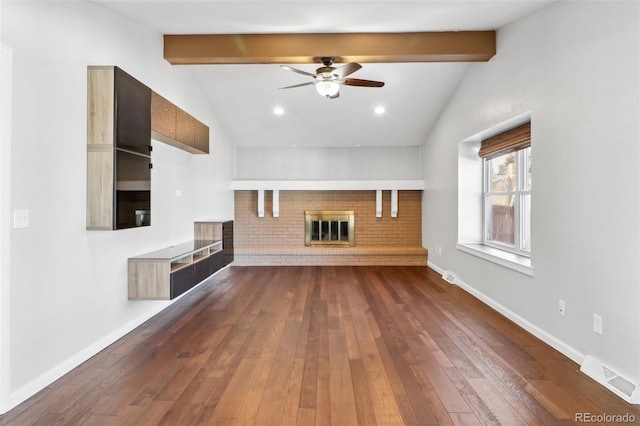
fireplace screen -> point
(324, 227)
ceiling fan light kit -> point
(329, 78)
(328, 88)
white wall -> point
(6, 61)
(329, 163)
(69, 286)
(575, 66)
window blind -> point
(512, 140)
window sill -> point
(509, 260)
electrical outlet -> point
(561, 307)
(597, 324)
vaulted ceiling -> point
(244, 95)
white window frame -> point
(519, 195)
(470, 201)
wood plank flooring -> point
(323, 345)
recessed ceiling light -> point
(278, 111)
(379, 110)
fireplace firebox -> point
(329, 228)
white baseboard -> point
(541, 334)
(435, 267)
(50, 376)
(616, 383)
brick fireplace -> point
(281, 240)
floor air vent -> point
(619, 385)
(449, 277)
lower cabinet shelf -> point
(167, 273)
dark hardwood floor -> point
(323, 345)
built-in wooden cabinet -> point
(163, 116)
(118, 150)
(201, 137)
(174, 126)
(217, 230)
(122, 116)
(167, 273)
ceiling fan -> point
(329, 78)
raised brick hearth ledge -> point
(363, 255)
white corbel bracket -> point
(276, 203)
(260, 202)
(394, 203)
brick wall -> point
(288, 230)
(378, 241)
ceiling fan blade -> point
(359, 82)
(299, 85)
(346, 69)
(288, 68)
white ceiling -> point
(244, 96)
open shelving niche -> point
(193, 257)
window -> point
(494, 184)
(507, 190)
(507, 201)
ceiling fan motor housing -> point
(327, 61)
(324, 73)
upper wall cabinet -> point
(175, 127)
(118, 150)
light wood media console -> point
(169, 272)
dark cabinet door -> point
(185, 278)
(132, 113)
(133, 152)
(227, 241)
(209, 266)
(182, 280)
(203, 269)
(217, 261)
(133, 190)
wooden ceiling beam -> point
(455, 46)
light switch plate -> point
(20, 218)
